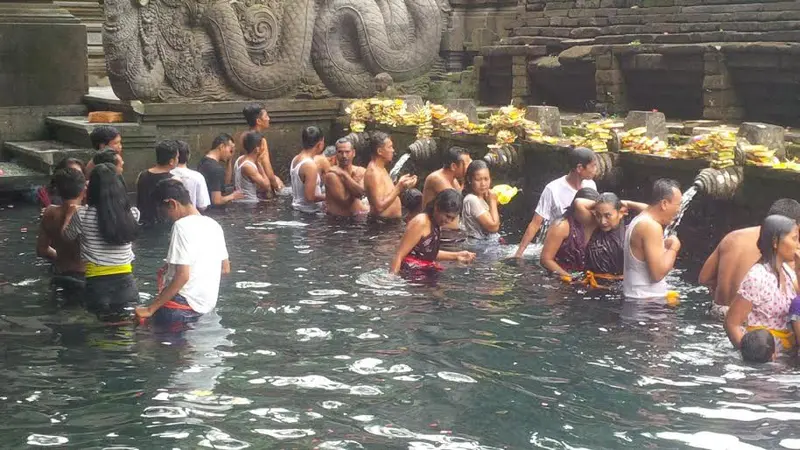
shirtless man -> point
(383, 195)
(50, 244)
(725, 269)
(456, 161)
(258, 120)
(648, 256)
(344, 183)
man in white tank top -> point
(307, 194)
(648, 256)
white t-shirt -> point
(198, 242)
(195, 183)
(557, 196)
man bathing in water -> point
(258, 120)
(727, 266)
(344, 183)
(307, 193)
(383, 195)
(456, 161)
(648, 256)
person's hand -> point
(466, 257)
(336, 170)
(237, 195)
(407, 181)
(673, 243)
(278, 184)
(490, 197)
(143, 312)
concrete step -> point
(41, 156)
(75, 131)
(15, 177)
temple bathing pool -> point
(311, 347)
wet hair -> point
(663, 190)
(376, 141)
(773, 230)
(223, 138)
(474, 166)
(579, 156)
(102, 135)
(108, 195)
(344, 140)
(183, 152)
(67, 162)
(587, 193)
(106, 156)
(449, 201)
(251, 141)
(758, 346)
(786, 207)
(251, 113)
(312, 135)
(611, 199)
(166, 150)
(411, 199)
(171, 189)
(330, 151)
(452, 156)
(69, 183)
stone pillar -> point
(90, 13)
(548, 118)
(519, 81)
(720, 101)
(610, 84)
(42, 55)
(654, 121)
(772, 136)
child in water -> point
(106, 227)
(758, 346)
(419, 247)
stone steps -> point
(41, 156)
(18, 178)
(74, 130)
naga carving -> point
(196, 50)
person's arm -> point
(43, 248)
(584, 210)
(413, 234)
(217, 199)
(309, 172)
(228, 174)
(462, 256)
(381, 204)
(736, 316)
(252, 173)
(659, 255)
(174, 287)
(334, 188)
(355, 188)
(266, 164)
(530, 233)
(636, 207)
(555, 236)
(71, 228)
(201, 194)
(226, 266)
(489, 219)
(708, 274)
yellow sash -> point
(93, 270)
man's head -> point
(457, 159)
(344, 152)
(183, 153)
(224, 145)
(381, 146)
(583, 162)
(172, 199)
(106, 136)
(330, 155)
(69, 183)
(167, 153)
(665, 200)
(256, 116)
(313, 140)
(109, 156)
(253, 142)
(758, 346)
(786, 207)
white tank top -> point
(299, 201)
(637, 282)
(244, 184)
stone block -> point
(765, 134)
(721, 98)
(548, 118)
(604, 62)
(609, 77)
(413, 101)
(645, 61)
(717, 82)
(654, 121)
(725, 113)
(464, 105)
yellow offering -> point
(504, 193)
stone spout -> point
(719, 183)
(424, 151)
(504, 157)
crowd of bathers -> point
(89, 225)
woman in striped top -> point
(106, 227)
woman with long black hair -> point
(106, 226)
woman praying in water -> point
(419, 247)
(564, 249)
(480, 218)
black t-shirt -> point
(145, 187)
(214, 174)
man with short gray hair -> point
(344, 183)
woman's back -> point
(94, 248)
(571, 254)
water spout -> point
(719, 183)
(503, 157)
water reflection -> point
(316, 345)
